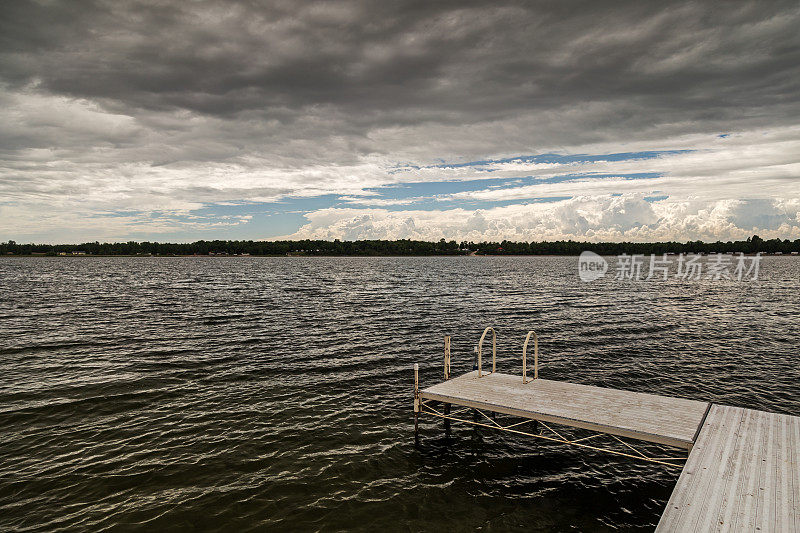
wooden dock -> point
(743, 468)
(672, 421)
(742, 475)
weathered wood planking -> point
(673, 421)
(743, 474)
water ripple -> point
(275, 393)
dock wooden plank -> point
(735, 511)
(673, 421)
(741, 475)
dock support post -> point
(535, 357)
(446, 357)
(416, 399)
(446, 377)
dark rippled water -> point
(276, 393)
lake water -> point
(235, 394)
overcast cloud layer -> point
(526, 121)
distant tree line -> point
(303, 247)
(753, 244)
(398, 247)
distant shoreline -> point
(297, 256)
(394, 248)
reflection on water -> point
(275, 393)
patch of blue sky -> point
(258, 220)
(229, 220)
(289, 204)
(447, 203)
(288, 214)
(468, 203)
(552, 159)
(433, 188)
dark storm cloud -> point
(454, 62)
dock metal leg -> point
(416, 399)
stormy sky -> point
(177, 121)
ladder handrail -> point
(535, 356)
(494, 350)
